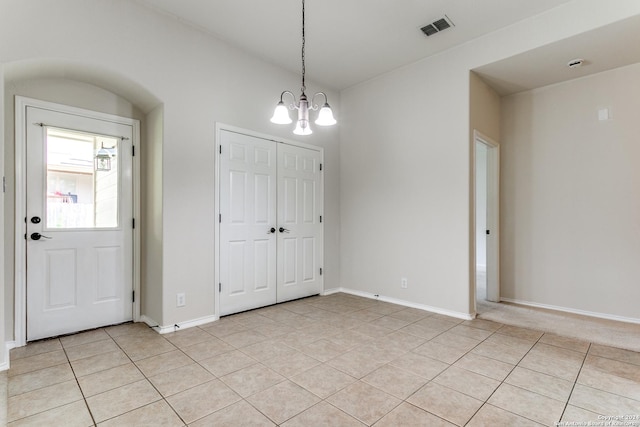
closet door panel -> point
(248, 179)
(299, 211)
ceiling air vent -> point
(437, 26)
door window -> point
(82, 180)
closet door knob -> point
(283, 230)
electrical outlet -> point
(180, 300)
(403, 282)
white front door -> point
(79, 233)
(299, 222)
(270, 226)
(247, 222)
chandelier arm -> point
(313, 105)
(292, 105)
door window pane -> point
(82, 180)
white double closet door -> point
(271, 203)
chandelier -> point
(303, 105)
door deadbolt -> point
(35, 220)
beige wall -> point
(404, 158)
(406, 197)
(484, 109)
(571, 195)
(153, 60)
(151, 280)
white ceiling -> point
(348, 41)
(602, 49)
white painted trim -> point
(456, 314)
(20, 280)
(230, 128)
(20, 250)
(178, 326)
(219, 127)
(216, 230)
(8, 345)
(137, 214)
(572, 310)
(481, 268)
(150, 322)
(330, 291)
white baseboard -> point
(150, 322)
(178, 326)
(8, 345)
(330, 291)
(456, 314)
(573, 311)
(162, 329)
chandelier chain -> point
(303, 43)
(303, 104)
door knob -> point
(283, 230)
(38, 236)
(271, 230)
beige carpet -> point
(598, 331)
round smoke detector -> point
(575, 63)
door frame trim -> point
(219, 127)
(20, 158)
(493, 216)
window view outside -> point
(82, 180)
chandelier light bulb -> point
(325, 116)
(302, 128)
(281, 115)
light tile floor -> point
(337, 360)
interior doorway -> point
(481, 221)
(487, 210)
